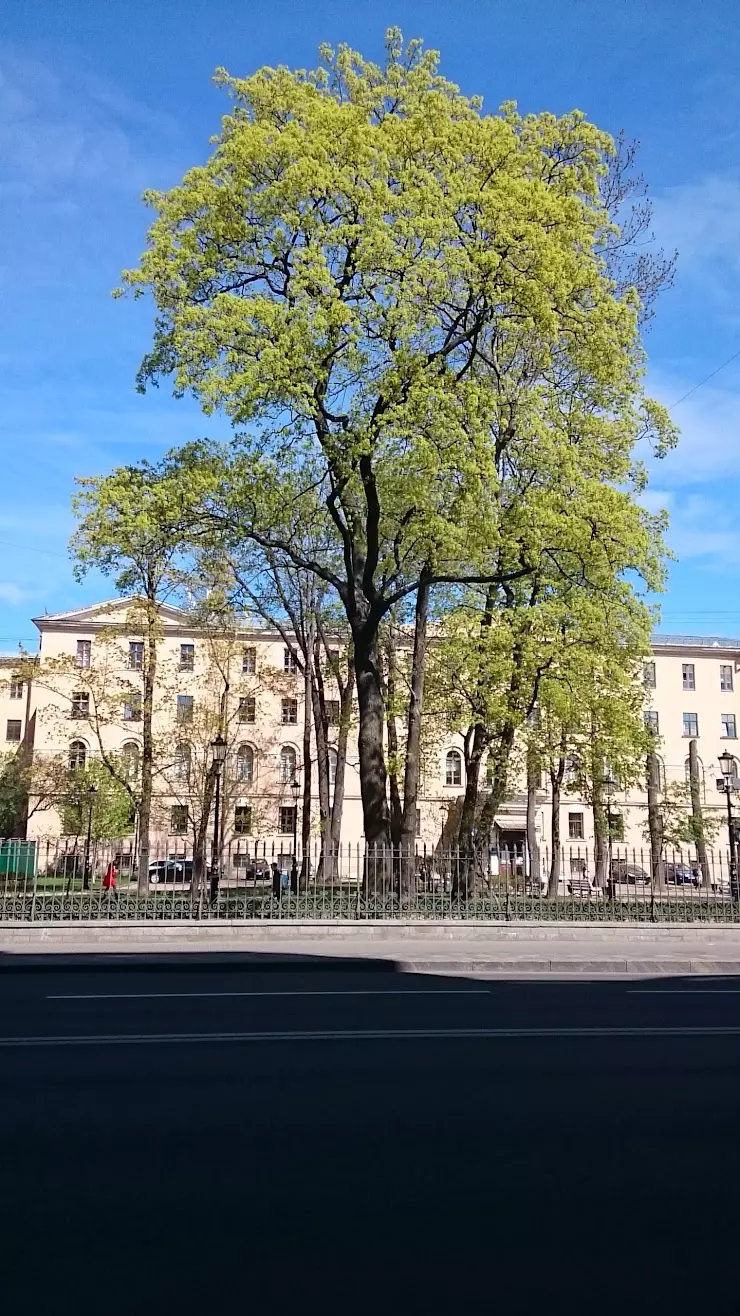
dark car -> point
(681, 874)
(170, 870)
(629, 874)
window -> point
(575, 826)
(243, 819)
(332, 659)
(651, 721)
(84, 653)
(187, 657)
(13, 729)
(572, 771)
(287, 765)
(287, 819)
(453, 768)
(290, 661)
(16, 687)
(648, 676)
(245, 764)
(77, 754)
(690, 724)
(725, 676)
(80, 704)
(247, 708)
(183, 762)
(249, 661)
(332, 768)
(136, 655)
(289, 712)
(178, 819)
(130, 760)
(332, 712)
(184, 708)
(489, 771)
(729, 729)
(688, 676)
(132, 707)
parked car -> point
(681, 874)
(170, 870)
(629, 874)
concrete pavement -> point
(477, 949)
(227, 1139)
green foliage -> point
(94, 787)
(679, 827)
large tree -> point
(387, 290)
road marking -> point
(176, 996)
(365, 1035)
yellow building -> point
(86, 700)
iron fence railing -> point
(62, 880)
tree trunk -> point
(392, 736)
(556, 781)
(306, 814)
(201, 837)
(412, 769)
(533, 849)
(696, 812)
(321, 732)
(474, 760)
(373, 776)
(601, 842)
(337, 803)
(147, 755)
(655, 822)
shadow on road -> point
(408, 1142)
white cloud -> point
(13, 594)
(709, 421)
(701, 220)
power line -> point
(706, 380)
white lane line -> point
(176, 996)
(365, 1035)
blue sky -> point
(98, 101)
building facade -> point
(85, 702)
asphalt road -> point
(217, 1139)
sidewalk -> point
(412, 947)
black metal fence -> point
(62, 880)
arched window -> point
(130, 758)
(572, 770)
(332, 768)
(245, 763)
(77, 754)
(183, 762)
(453, 768)
(287, 765)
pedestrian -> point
(276, 880)
(109, 879)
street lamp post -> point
(609, 784)
(727, 768)
(295, 787)
(218, 750)
(91, 793)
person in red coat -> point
(109, 880)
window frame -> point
(183, 813)
(333, 712)
(288, 704)
(725, 720)
(80, 705)
(287, 753)
(723, 668)
(649, 675)
(242, 754)
(652, 720)
(182, 762)
(249, 660)
(16, 689)
(185, 706)
(453, 778)
(187, 657)
(688, 676)
(247, 705)
(690, 735)
(575, 816)
(74, 745)
(136, 650)
(83, 657)
(243, 814)
(14, 722)
(283, 812)
(290, 661)
(133, 707)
